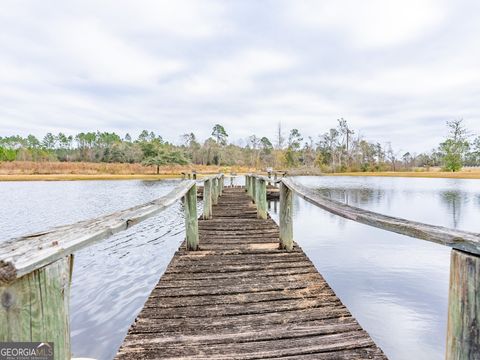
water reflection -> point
(454, 200)
(396, 286)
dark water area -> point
(394, 285)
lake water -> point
(394, 285)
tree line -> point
(338, 150)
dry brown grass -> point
(464, 174)
(28, 170)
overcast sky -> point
(395, 69)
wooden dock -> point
(239, 287)
(240, 297)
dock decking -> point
(239, 297)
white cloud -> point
(371, 23)
(394, 69)
(239, 72)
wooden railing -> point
(463, 330)
(36, 270)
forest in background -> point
(340, 149)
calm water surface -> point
(394, 285)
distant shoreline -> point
(153, 177)
(415, 174)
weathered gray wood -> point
(254, 189)
(261, 199)
(191, 219)
(215, 191)
(207, 199)
(35, 307)
(286, 218)
(249, 301)
(222, 184)
(458, 239)
(23, 255)
(463, 330)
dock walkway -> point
(239, 297)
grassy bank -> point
(27, 170)
(465, 174)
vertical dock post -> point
(215, 191)
(194, 175)
(222, 180)
(286, 220)
(191, 220)
(254, 189)
(463, 331)
(207, 199)
(35, 307)
(231, 181)
(261, 198)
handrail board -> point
(458, 239)
(20, 256)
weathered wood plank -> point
(207, 199)
(241, 297)
(191, 220)
(286, 218)
(457, 239)
(35, 307)
(23, 255)
(463, 330)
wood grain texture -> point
(191, 221)
(286, 218)
(35, 307)
(461, 240)
(463, 330)
(207, 199)
(261, 199)
(240, 297)
(21, 256)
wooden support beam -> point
(215, 191)
(261, 200)
(191, 220)
(286, 219)
(254, 189)
(221, 184)
(35, 307)
(207, 199)
(463, 330)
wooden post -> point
(286, 220)
(215, 191)
(261, 199)
(463, 330)
(220, 189)
(254, 189)
(246, 184)
(207, 199)
(231, 181)
(249, 186)
(191, 220)
(194, 175)
(35, 307)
